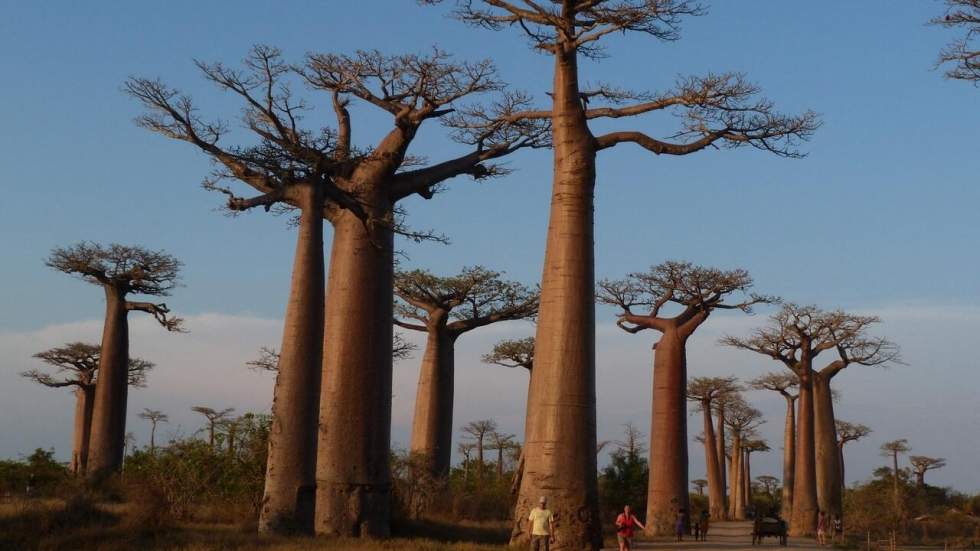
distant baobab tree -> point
(768, 483)
(501, 443)
(120, 271)
(153, 416)
(848, 432)
(963, 54)
(796, 335)
(214, 418)
(706, 392)
(783, 383)
(479, 432)
(742, 420)
(699, 484)
(748, 448)
(445, 308)
(321, 173)
(921, 464)
(716, 110)
(694, 293)
(77, 366)
(892, 449)
(512, 353)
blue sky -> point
(881, 215)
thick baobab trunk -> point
(153, 436)
(560, 448)
(84, 403)
(353, 489)
(290, 476)
(840, 460)
(432, 427)
(829, 497)
(722, 457)
(667, 492)
(747, 481)
(804, 519)
(896, 494)
(716, 493)
(736, 501)
(789, 458)
(108, 432)
(920, 479)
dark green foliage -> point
(39, 471)
(624, 482)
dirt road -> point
(727, 536)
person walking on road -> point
(542, 524)
(626, 522)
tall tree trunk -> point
(560, 448)
(716, 493)
(789, 458)
(804, 519)
(108, 438)
(722, 457)
(290, 474)
(840, 459)
(747, 481)
(667, 492)
(736, 503)
(829, 497)
(353, 490)
(920, 478)
(896, 495)
(84, 402)
(432, 427)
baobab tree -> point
(214, 418)
(154, 416)
(77, 365)
(892, 449)
(748, 448)
(445, 308)
(769, 484)
(699, 484)
(783, 383)
(478, 432)
(962, 54)
(121, 271)
(501, 443)
(512, 353)
(706, 392)
(742, 420)
(796, 335)
(848, 432)
(717, 110)
(696, 292)
(921, 464)
(321, 173)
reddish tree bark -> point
(782, 383)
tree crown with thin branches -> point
(850, 432)
(77, 364)
(512, 353)
(473, 298)
(962, 56)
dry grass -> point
(81, 525)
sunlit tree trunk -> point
(353, 491)
(828, 474)
(789, 458)
(560, 448)
(747, 481)
(716, 493)
(84, 403)
(432, 427)
(804, 519)
(722, 456)
(290, 477)
(736, 506)
(667, 492)
(108, 432)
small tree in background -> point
(921, 464)
(154, 417)
(848, 432)
(624, 480)
(512, 353)
(214, 418)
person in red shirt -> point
(625, 523)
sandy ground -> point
(727, 536)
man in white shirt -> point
(542, 524)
